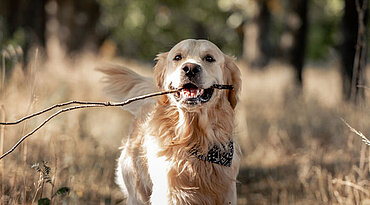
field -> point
(296, 149)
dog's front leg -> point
(158, 172)
(160, 190)
(231, 197)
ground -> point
(296, 149)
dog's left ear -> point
(232, 78)
(159, 69)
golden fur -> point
(156, 166)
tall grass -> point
(297, 150)
(295, 147)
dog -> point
(180, 149)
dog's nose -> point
(191, 69)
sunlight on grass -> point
(295, 147)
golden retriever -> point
(180, 149)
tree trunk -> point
(30, 16)
(78, 20)
(353, 50)
(299, 25)
(257, 47)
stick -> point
(351, 184)
(51, 108)
(216, 86)
(86, 105)
(364, 138)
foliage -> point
(62, 191)
(43, 201)
(44, 170)
(44, 178)
(18, 38)
(324, 29)
(144, 28)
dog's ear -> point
(159, 69)
(232, 78)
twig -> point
(363, 86)
(51, 108)
(86, 105)
(364, 138)
(216, 86)
(351, 184)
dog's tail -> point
(123, 84)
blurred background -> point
(256, 31)
(304, 66)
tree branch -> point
(359, 63)
(85, 104)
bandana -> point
(217, 155)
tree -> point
(257, 46)
(353, 50)
(24, 22)
(299, 27)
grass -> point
(296, 149)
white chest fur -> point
(158, 172)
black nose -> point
(191, 69)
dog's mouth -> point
(192, 94)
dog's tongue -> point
(190, 92)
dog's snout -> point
(191, 69)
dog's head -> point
(194, 66)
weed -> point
(44, 172)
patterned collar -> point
(217, 155)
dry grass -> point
(296, 149)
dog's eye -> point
(209, 58)
(177, 57)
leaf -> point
(47, 168)
(62, 191)
(43, 201)
(49, 181)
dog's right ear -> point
(159, 69)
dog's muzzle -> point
(191, 94)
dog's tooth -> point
(201, 91)
(187, 93)
(192, 93)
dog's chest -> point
(184, 178)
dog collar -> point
(217, 155)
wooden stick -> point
(85, 105)
(216, 86)
(51, 108)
